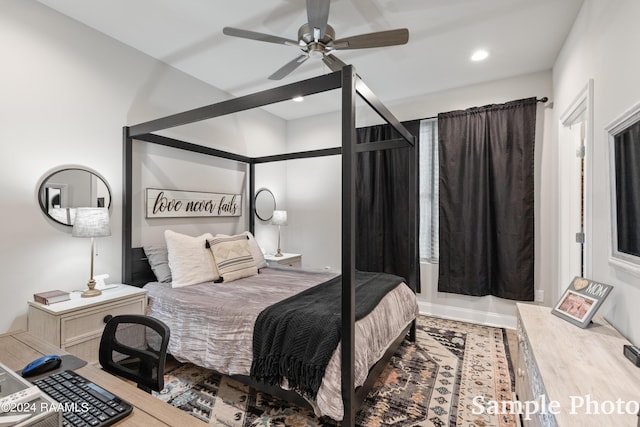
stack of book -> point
(51, 297)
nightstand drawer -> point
(290, 260)
(87, 350)
(85, 324)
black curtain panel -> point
(386, 228)
(486, 200)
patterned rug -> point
(432, 382)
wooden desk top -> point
(19, 348)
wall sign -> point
(180, 204)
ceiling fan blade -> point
(318, 15)
(288, 67)
(333, 62)
(377, 39)
(252, 35)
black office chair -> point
(135, 347)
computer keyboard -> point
(83, 403)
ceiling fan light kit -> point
(316, 39)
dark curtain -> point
(386, 240)
(486, 200)
(627, 175)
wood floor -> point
(512, 342)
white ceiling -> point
(522, 36)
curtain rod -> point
(543, 100)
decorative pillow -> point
(158, 258)
(233, 257)
(254, 248)
(189, 260)
(256, 251)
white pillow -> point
(189, 259)
(232, 257)
(254, 248)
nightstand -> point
(292, 260)
(76, 325)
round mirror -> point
(66, 189)
(265, 204)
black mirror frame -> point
(265, 190)
(52, 172)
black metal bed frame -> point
(350, 84)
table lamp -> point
(279, 219)
(91, 222)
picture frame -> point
(581, 300)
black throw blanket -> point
(295, 338)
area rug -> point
(442, 379)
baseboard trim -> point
(467, 315)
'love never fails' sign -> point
(179, 204)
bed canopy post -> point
(348, 244)
(252, 200)
(351, 85)
(127, 200)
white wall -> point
(66, 93)
(603, 46)
(313, 190)
(313, 193)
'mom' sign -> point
(179, 204)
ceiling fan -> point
(316, 39)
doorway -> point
(574, 189)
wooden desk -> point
(19, 348)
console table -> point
(581, 373)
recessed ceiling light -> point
(297, 99)
(479, 55)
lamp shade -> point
(91, 222)
(279, 218)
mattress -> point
(212, 325)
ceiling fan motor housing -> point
(305, 34)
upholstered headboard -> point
(142, 273)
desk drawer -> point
(86, 323)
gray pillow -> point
(158, 258)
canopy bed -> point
(136, 269)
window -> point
(429, 246)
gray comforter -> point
(212, 324)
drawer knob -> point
(107, 318)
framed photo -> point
(581, 300)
